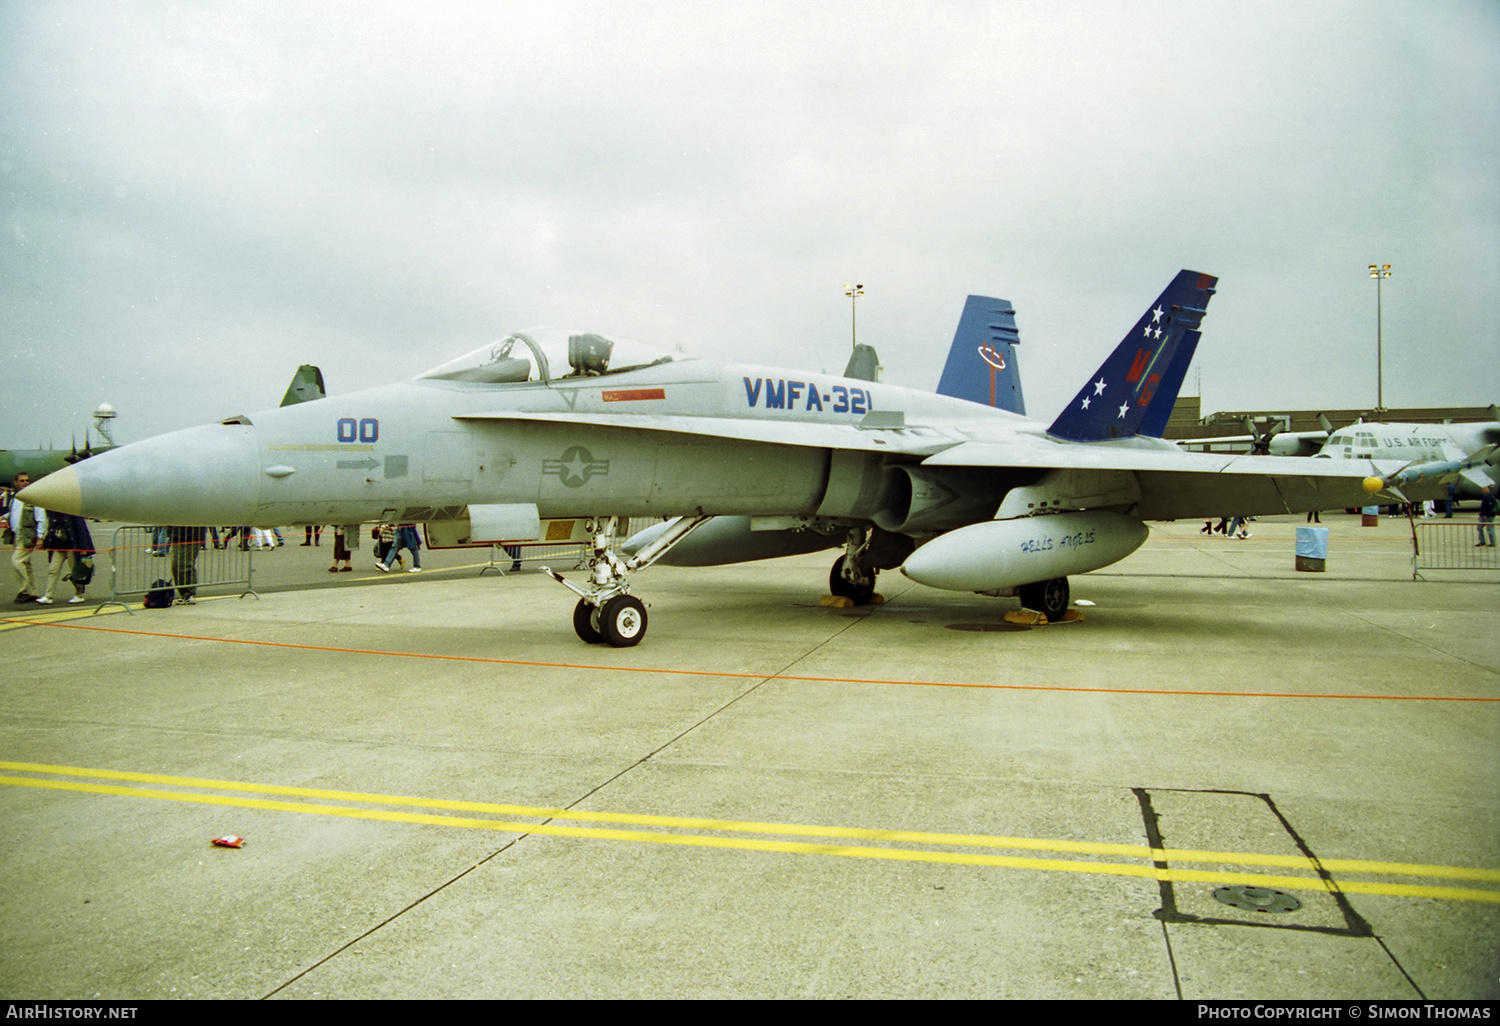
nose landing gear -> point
(606, 612)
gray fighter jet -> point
(551, 425)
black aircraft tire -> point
(623, 621)
(583, 623)
(1047, 597)
(859, 594)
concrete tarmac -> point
(443, 793)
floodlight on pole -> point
(853, 292)
(1379, 273)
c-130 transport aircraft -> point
(548, 425)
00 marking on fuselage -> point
(366, 430)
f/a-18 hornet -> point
(548, 425)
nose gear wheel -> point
(606, 612)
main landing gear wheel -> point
(1047, 597)
(583, 623)
(622, 621)
(860, 592)
(605, 613)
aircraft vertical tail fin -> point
(1159, 410)
(982, 365)
(1150, 363)
(863, 364)
(307, 385)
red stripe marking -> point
(630, 395)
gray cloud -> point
(198, 198)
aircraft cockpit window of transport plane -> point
(550, 354)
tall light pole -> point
(1379, 273)
(853, 292)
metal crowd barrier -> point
(141, 558)
(505, 557)
(1453, 545)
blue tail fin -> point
(1133, 392)
(981, 364)
(1159, 410)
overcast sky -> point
(199, 197)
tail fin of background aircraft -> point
(1119, 400)
(981, 363)
(307, 385)
(863, 364)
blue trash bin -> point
(1312, 549)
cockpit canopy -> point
(550, 354)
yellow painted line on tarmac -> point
(1146, 869)
(53, 616)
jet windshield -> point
(550, 354)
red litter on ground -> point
(230, 841)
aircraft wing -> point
(879, 432)
(1172, 484)
(1176, 485)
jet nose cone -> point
(203, 475)
(58, 492)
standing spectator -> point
(341, 553)
(1486, 517)
(185, 542)
(29, 526)
(70, 548)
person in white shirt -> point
(29, 525)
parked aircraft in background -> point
(40, 462)
(1268, 436)
(1419, 444)
(307, 384)
(1416, 444)
(37, 463)
(549, 425)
